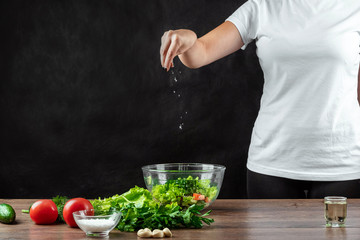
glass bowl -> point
(184, 183)
(94, 224)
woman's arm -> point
(196, 52)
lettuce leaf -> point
(137, 196)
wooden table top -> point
(234, 219)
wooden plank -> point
(234, 219)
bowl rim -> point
(217, 168)
(77, 214)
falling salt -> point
(173, 82)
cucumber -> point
(7, 213)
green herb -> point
(141, 211)
(60, 202)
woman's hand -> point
(196, 52)
(174, 43)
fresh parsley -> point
(141, 211)
(60, 202)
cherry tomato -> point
(44, 212)
(73, 205)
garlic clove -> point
(157, 233)
(167, 232)
(144, 234)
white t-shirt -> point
(308, 126)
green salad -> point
(185, 192)
(140, 210)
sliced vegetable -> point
(198, 197)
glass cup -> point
(335, 211)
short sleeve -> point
(246, 20)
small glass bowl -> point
(94, 224)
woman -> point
(306, 137)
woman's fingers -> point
(165, 43)
(171, 52)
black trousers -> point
(264, 186)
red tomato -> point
(73, 205)
(44, 212)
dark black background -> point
(84, 102)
